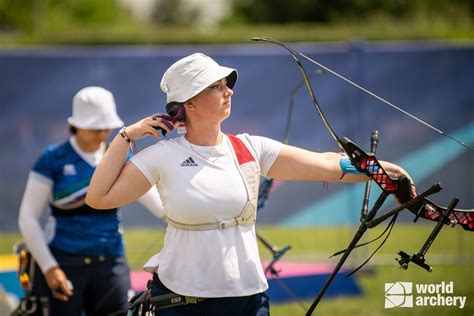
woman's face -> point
(93, 136)
(214, 102)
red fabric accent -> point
(241, 151)
(470, 217)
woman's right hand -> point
(148, 127)
(58, 283)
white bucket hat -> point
(94, 108)
(191, 75)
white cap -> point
(191, 75)
(94, 108)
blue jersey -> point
(79, 229)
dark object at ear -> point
(72, 130)
(176, 111)
(176, 114)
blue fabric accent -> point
(89, 234)
(347, 166)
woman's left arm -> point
(294, 163)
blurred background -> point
(417, 54)
(89, 22)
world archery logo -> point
(399, 294)
(407, 294)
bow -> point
(367, 163)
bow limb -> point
(388, 184)
(308, 85)
(392, 105)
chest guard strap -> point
(249, 170)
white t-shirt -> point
(201, 184)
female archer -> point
(208, 182)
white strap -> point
(250, 173)
(246, 218)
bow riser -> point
(368, 164)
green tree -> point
(30, 15)
(281, 11)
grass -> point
(452, 256)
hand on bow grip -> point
(405, 192)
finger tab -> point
(168, 124)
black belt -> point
(144, 302)
(171, 299)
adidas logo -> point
(189, 163)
